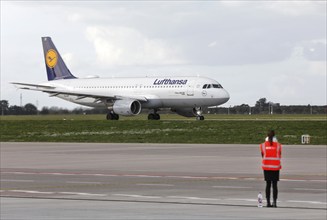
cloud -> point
(315, 50)
(70, 60)
(74, 17)
(296, 8)
(242, 44)
(128, 46)
(212, 33)
(318, 68)
(212, 44)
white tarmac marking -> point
(138, 196)
(156, 176)
(193, 198)
(133, 175)
(153, 184)
(16, 172)
(82, 194)
(159, 197)
(237, 199)
(293, 180)
(308, 189)
(99, 174)
(232, 187)
(290, 201)
(193, 177)
(311, 202)
(75, 182)
(250, 178)
(59, 174)
(29, 191)
(324, 181)
(23, 181)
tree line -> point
(262, 106)
(30, 109)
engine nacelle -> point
(127, 107)
(186, 112)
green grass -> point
(218, 129)
(165, 117)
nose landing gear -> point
(199, 116)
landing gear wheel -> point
(156, 117)
(200, 118)
(116, 117)
(153, 116)
(112, 116)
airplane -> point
(127, 96)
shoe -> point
(274, 204)
(269, 205)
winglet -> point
(56, 67)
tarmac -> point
(156, 181)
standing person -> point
(271, 152)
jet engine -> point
(127, 107)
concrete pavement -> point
(156, 181)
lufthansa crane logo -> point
(51, 58)
(204, 93)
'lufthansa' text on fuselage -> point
(169, 82)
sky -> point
(255, 49)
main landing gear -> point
(112, 116)
(154, 116)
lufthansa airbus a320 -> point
(128, 95)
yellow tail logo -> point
(51, 58)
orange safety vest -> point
(271, 155)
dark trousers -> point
(275, 190)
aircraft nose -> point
(225, 96)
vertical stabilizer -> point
(56, 67)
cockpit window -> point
(209, 86)
(217, 86)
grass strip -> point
(227, 131)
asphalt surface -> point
(156, 181)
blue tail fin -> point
(56, 67)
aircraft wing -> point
(32, 86)
(54, 91)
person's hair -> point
(271, 135)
